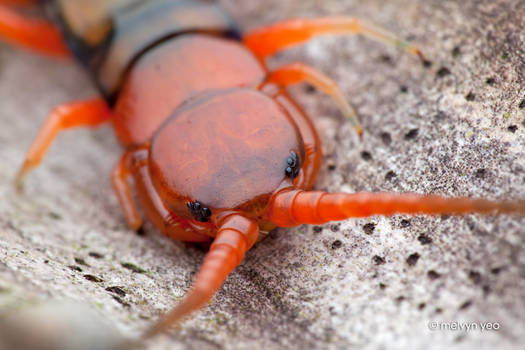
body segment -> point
(174, 72)
(108, 37)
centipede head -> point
(227, 150)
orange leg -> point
(21, 3)
(34, 33)
(295, 207)
(84, 113)
(236, 234)
(119, 179)
(270, 39)
(298, 72)
(134, 162)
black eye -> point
(206, 212)
(292, 166)
(199, 212)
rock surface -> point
(455, 128)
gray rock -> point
(57, 326)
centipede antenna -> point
(295, 207)
(235, 236)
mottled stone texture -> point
(456, 128)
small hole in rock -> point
(470, 96)
(400, 299)
(335, 227)
(474, 276)
(96, 255)
(424, 239)
(412, 134)
(522, 104)
(405, 223)
(75, 268)
(456, 51)
(378, 260)
(382, 286)
(442, 72)
(440, 116)
(132, 267)
(81, 261)
(421, 306)
(385, 59)
(486, 289)
(433, 275)
(317, 229)
(465, 305)
(331, 167)
(496, 270)
(390, 175)
(412, 259)
(366, 155)
(387, 139)
(93, 278)
(55, 216)
(403, 89)
(120, 301)
(480, 173)
(116, 290)
(369, 228)
(512, 128)
(490, 81)
(337, 244)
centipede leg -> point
(299, 72)
(89, 113)
(134, 163)
(19, 3)
(268, 40)
(37, 34)
(120, 181)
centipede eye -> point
(206, 212)
(199, 212)
(292, 166)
